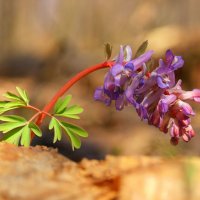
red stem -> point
(68, 85)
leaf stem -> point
(34, 116)
(68, 85)
(38, 110)
(41, 114)
(33, 108)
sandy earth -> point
(41, 173)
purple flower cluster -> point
(156, 96)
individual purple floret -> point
(157, 98)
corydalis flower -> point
(120, 76)
(172, 106)
(160, 79)
(155, 95)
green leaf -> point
(24, 132)
(54, 124)
(26, 136)
(58, 132)
(71, 112)
(68, 115)
(15, 104)
(6, 127)
(108, 50)
(12, 96)
(15, 100)
(75, 141)
(3, 103)
(23, 95)
(142, 48)
(13, 136)
(75, 129)
(61, 104)
(12, 118)
(16, 132)
(11, 105)
(35, 129)
(51, 124)
(3, 110)
(74, 110)
(26, 96)
(57, 105)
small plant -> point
(130, 81)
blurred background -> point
(45, 42)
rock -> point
(41, 173)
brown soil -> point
(41, 173)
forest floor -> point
(41, 173)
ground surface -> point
(41, 173)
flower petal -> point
(109, 82)
(164, 122)
(172, 79)
(193, 95)
(161, 83)
(99, 95)
(117, 69)
(129, 65)
(120, 102)
(142, 112)
(186, 108)
(185, 122)
(177, 63)
(165, 102)
(187, 133)
(138, 62)
(174, 130)
(169, 56)
(155, 118)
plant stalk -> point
(67, 86)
